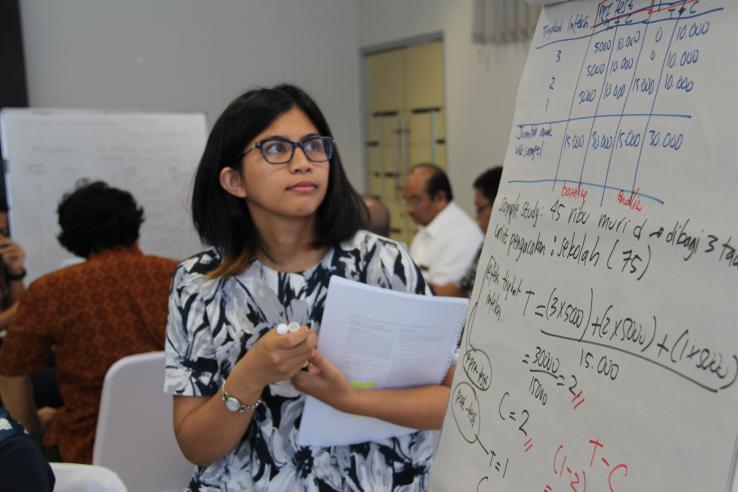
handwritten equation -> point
(599, 350)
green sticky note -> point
(362, 384)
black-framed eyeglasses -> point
(280, 150)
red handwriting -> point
(633, 201)
(577, 476)
(574, 192)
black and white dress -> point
(213, 323)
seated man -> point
(92, 314)
(379, 215)
(448, 239)
(485, 190)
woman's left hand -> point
(326, 382)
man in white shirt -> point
(448, 239)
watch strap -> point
(18, 276)
(243, 407)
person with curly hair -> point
(92, 314)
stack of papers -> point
(379, 338)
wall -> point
(481, 81)
(190, 55)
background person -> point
(92, 314)
(448, 239)
(485, 191)
(12, 272)
(23, 467)
(12, 288)
(379, 215)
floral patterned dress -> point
(213, 323)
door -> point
(405, 122)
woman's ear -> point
(232, 182)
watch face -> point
(232, 404)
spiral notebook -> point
(379, 338)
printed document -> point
(379, 338)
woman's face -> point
(291, 190)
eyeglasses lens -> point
(318, 149)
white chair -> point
(135, 436)
(73, 477)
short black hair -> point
(223, 220)
(96, 217)
(488, 182)
(437, 182)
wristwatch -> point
(233, 404)
(15, 277)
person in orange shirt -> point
(112, 305)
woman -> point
(272, 198)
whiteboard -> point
(151, 155)
(601, 346)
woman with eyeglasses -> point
(273, 201)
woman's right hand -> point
(279, 357)
(205, 430)
(13, 255)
